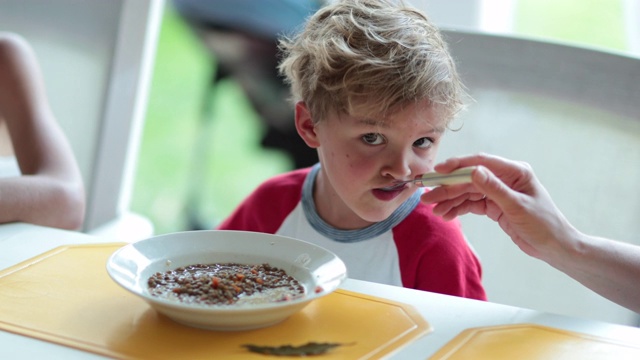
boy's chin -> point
(376, 217)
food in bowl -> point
(225, 284)
(319, 271)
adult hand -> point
(509, 193)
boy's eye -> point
(423, 143)
(373, 139)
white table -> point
(447, 314)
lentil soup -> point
(225, 284)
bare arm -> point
(50, 191)
(525, 211)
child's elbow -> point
(72, 202)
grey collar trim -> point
(348, 236)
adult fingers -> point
(496, 190)
(448, 192)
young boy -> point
(374, 89)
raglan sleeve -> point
(435, 256)
(267, 206)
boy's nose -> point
(398, 165)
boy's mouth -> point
(390, 192)
(394, 187)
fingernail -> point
(482, 174)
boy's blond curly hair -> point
(369, 57)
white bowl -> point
(314, 267)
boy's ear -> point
(305, 126)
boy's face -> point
(360, 156)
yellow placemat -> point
(530, 341)
(65, 296)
